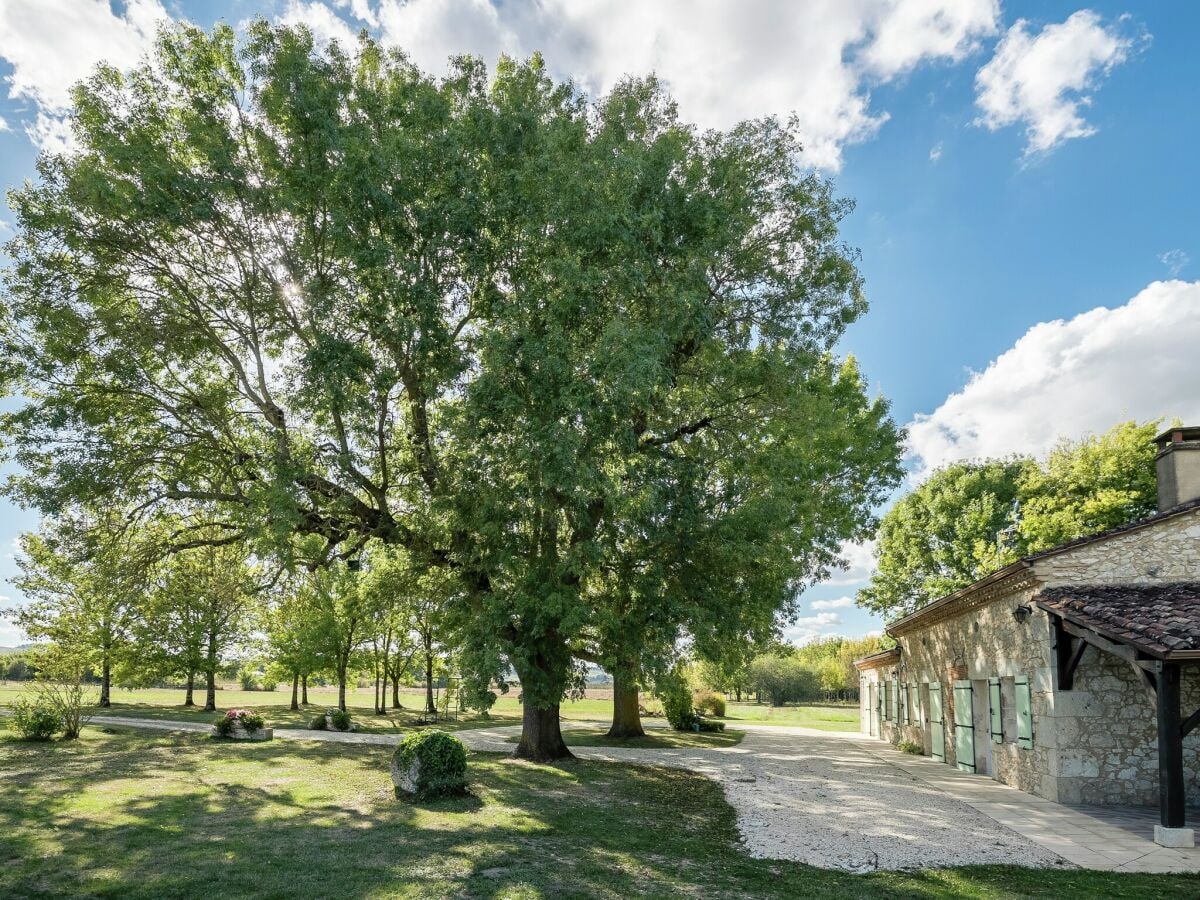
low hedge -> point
(35, 719)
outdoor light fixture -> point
(1022, 613)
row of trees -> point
(971, 518)
(572, 362)
(107, 595)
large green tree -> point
(322, 293)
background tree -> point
(954, 528)
(1090, 485)
(322, 293)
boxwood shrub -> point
(442, 769)
(35, 719)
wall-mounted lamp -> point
(1022, 614)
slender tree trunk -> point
(626, 720)
(387, 643)
(189, 698)
(295, 690)
(737, 692)
(106, 680)
(343, 664)
(304, 690)
(396, 688)
(210, 694)
(430, 706)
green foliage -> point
(35, 718)
(339, 719)
(705, 725)
(442, 763)
(248, 679)
(910, 747)
(783, 679)
(709, 702)
(1090, 485)
(970, 519)
(248, 719)
(672, 689)
(317, 723)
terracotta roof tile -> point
(1156, 618)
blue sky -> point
(1025, 177)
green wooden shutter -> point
(937, 730)
(903, 708)
(964, 726)
(895, 699)
(994, 709)
(1024, 713)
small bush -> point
(910, 747)
(710, 703)
(706, 725)
(340, 719)
(676, 699)
(35, 719)
(441, 769)
(317, 723)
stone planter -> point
(241, 734)
(406, 780)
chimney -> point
(1178, 466)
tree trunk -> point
(210, 694)
(541, 736)
(341, 673)
(106, 681)
(295, 690)
(430, 706)
(737, 693)
(396, 689)
(189, 698)
(387, 643)
(626, 720)
(304, 690)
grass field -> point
(659, 737)
(131, 815)
(165, 703)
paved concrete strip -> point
(1074, 835)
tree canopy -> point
(970, 519)
(514, 332)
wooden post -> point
(1170, 748)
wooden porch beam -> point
(1171, 791)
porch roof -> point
(1159, 620)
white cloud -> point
(1175, 261)
(1043, 79)
(52, 44)
(1069, 378)
(935, 152)
(4, 126)
(860, 563)
(360, 9)
(325, 24)
(722, 62)
(807, 628)
(839, 603)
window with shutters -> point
(1024, 706)
(995, 708)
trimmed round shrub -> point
(340, 719)
(429, 764)
(710, 703)
(317, 723)
(35, 719)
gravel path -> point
(826, 800)
(818, 798)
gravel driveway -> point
(827, 801)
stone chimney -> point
(1178, 466)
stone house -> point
(1073, 673)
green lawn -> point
(825, 716)
(130, 815)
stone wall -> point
(1167, 550)
(983, 641)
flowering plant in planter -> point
(247, 718)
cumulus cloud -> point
(807, 628)
(1067, 378)
(4, 126)
(722, 62)
(860, 563)
(325, 24)
(839, 603)
(52, 44)
(1175, 261)
(1044, 79)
